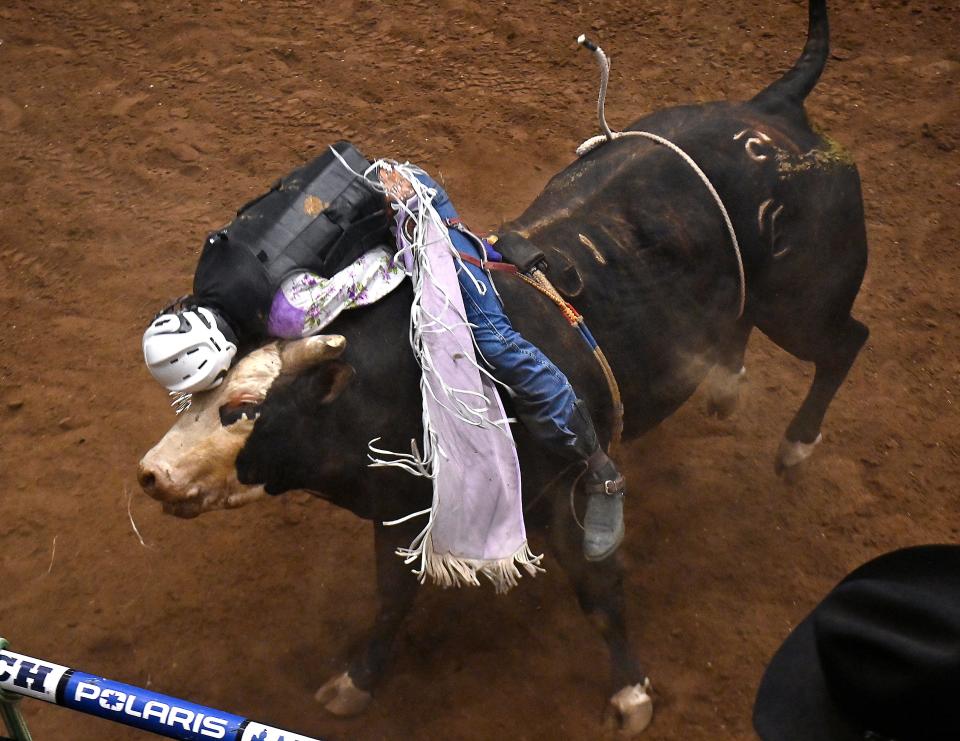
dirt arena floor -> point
(130, 129)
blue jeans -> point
(542, 395)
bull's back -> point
(638, 244)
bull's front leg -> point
(350, 693)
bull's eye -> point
(230, 413)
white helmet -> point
(186, 351)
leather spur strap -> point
(488, 265)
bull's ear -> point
(334, 375)
(299, 355)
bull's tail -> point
(791, 89)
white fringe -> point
(469, 406)
(448, 570)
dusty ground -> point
(127, 130)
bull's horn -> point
(297, 355)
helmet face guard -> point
(187, 349)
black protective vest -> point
(320, 217)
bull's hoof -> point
(791, 454)
(723, 392)
(630, 711)
(342, 697)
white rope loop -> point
(741, 277)
(608, 135)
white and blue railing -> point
(163, 715)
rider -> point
(202, 344)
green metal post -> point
(10, 712)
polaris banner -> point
(132, 706)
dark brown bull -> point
(634, 239)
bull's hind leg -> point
(349, 693)
(833, 354)
(723, 383)
(599, 589)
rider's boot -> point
(604, 485)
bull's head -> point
(193, 468)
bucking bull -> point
(635, 241)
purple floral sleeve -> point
(306, 302)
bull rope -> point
(595, 141)
(538, 280)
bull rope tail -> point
(595, 141)
(604, 63)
